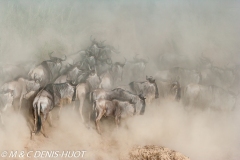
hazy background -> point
(31, 29)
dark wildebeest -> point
(47, 71)
(47, 99)
(117, 93)
(21, 88)
(117, 109)
(6, 100)
(147, 88)
(212, 97)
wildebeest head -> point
(136, 59)
(73, 74)
(120, 64)
(151, 80)
(56, 59)
(37, 78)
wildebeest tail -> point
(39, 121)
(91, 97)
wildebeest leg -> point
(49, 119)
(1, 118)
(117, 121)
(20, 101)
(35, 121)
(43, 125)
(82, 98)
(60, 108)
(100, 114)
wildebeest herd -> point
(94, 78)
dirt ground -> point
(196, 134)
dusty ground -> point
(196, 134)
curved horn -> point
(64, 58)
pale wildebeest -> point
(21, 88)
(208, 97)
(134, 70)
(47, 71)
(107, 80)
(83, 89)
(9, 72)
(46, 100)
(168, 60)
(117, 109)
(169, 89)
(117, 71)
(148, 89)
(218, 76)
(111, 75)
(6, 100)
(184, 76)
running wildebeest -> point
(47, 71)
(117, 109)
(6, 100)
(184, 76)
(117, 93)
(211, 97)
(20, 88)
(148, 89)
(47, 99)
(134, 70)
(9, 72)
(169, 89)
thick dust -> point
(29, 30)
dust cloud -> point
(29, 30)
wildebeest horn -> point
(65, 58)
(89, 67)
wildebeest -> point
(117, 93)
(107, 80)
(20, 88)
(169, 88)
(168, 60)
(47, 99)
(117, 109)
(184, 76)
(6, 100)
(9, 72)
(221, 77)
(213, 97)
(117, 71)
(134, 70)
(148, 89)
(47, 71)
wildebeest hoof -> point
(45, 136)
